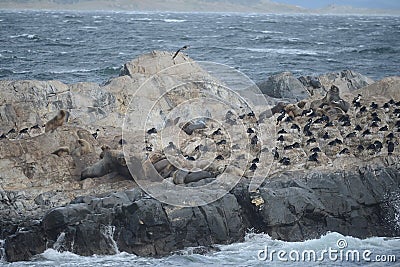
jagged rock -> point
(388, 87)
(284, 85)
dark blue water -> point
(81, 46)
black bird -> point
(11, 131)
(190, 158)
(390, 147)
(251, 114)
(254, 140)
(315, 149)
(397, 104)
(149, 148)
(374, 114)
(346, 123)
(253, 167)
(390, 136)
(374, 105)
(332, 143)
(326, 136)
(397, 124)
(350, 135)
(356, 101)
(391, 101)
(344, 118)
(25, 130)
(295, 127)
(313, 157)
(344, 151)
(396, 111)
(386, 106)
(378, 145)
(222, 142)
(282, 131)
(219, 157)
(308, 133)
(307, 126)
(96, 134)
(280, 117)
(384, 129)
(217, 132)
(374, 124)
(363, 109)
(358, 128)
(256, 160)
(289, 119)
(319, 120)
(308, 113)
(152, 131)
(242, 116)
(338, 141)
(371, 147)
(285, 161)
(311, 140)
(35, 126)
(276, 154)
(288, 147)
(180, 50)
(360, 147)
(296, 145)
(376, 119)
(122, 142)
(328, 124)
(250, 130)
(281, 138)
(366, 132)
(3, 136)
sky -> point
(384, 4)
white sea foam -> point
(174, 20)
(287, 51)
(2, 251)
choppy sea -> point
(92, 46)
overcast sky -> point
(356, 3)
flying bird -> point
(180, 50)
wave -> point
(174, 20)
(272, 32)
(284, 51)
(237, 254)
(378, 50)
(25, 35)
(141, 19)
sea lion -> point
(111, 161)
(83, 149)
(57, 121)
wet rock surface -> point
(75, 187)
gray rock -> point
(284, 85)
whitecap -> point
(90, 27)
(141, 19)
(175, 20)
(271, 32)
(284, 51)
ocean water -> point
(339, 251)
(92, 46)
(84, 46)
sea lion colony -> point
(308, 135)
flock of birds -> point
(366, 130)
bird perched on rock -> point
(180, 50)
